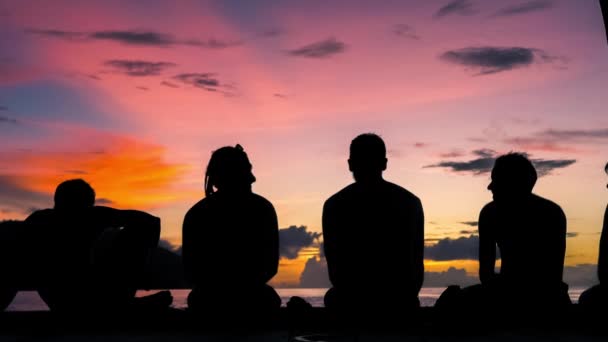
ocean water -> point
(30, 301)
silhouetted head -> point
(606, 170)
(229, 169)
(367, 157)
(513, 177)
(74, 194)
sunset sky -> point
(134, 96)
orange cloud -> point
(125, 172)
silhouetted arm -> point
(270, 252)
(602, 264)
(329, 242)
(419, 248)
(189, 246)
(144, 226)
(487, 246)
(559, 254)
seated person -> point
(11, 262)
(230, 241)
(530, 232)
(597, 296)
(373, 233)
(86, 257)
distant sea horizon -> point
(30, 301)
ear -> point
(384, 162)
(350, 165)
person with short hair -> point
(373, 232)
(84, 257)
(530, 233)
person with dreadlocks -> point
(230, 243)
(597, 296)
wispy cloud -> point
(456, 7)
(487, 60)
(206, 81)
(405, 31)
(272, 32)
(323, 49)
(134, 38)
(138, 67)
(525, 7)
(485, 162)
(213, 43)
(554, 140)
(65, 35)
(169, 84)
(470, 223)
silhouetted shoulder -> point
(548, 208)
(200, 206)
(387, 189)
(547, 205)
(401, 192)
(262, 202)
(40, 216)
(345, 193)
(488, 210)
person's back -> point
(230, 240)
(85, 256)
(13, 262)
(530, 233)
(373, 233)
(224, 232)
(530, 236)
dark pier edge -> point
(575, 321)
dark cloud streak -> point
(322, 49)
(460, 7)
(169, 84)
(488, 60)
(526, 7)
(405, 31)
(487, 157)
(134, 38)
(138, 67)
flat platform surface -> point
(314, 325)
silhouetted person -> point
(230, 241)
(373, 233)
(88, 258)
(530, 233)
(11, 262)
(597, 296)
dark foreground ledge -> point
(424, 322)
